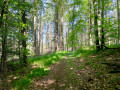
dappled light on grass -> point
(79, 69)
(106, 70)
(38, 67)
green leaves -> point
(73, 39)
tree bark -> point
(35, 51)
(118, 14)
(96, 26)
(102, 28)
(47, 39)
(24, 45)
(90, 23)
(56, 26)
(38, 34)
(40, 31)
(61, 25)
(4, 28)
(50, 38)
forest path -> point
(66, 75)
(99, 71)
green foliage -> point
(38, 67)
(82, 52)
(72, 39)
(25, 51)
(24, 82)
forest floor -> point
(81, 70)
(97, 72)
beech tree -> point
(96, 25)
(4, 31)
(56, 25)
(118, 15)
(102, 28)
(23, 33)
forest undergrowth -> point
(72, 70)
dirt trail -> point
(63, 76)
(76, 74)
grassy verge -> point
(105, 65)
(101, 70)
(21, 77)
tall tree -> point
(96, 25)
(56, 25)
(118, 14)
(62, 5)
(90, 23)
(35, 46)
(23, 33)
(4, 29)
(102, 26)
(38, 32)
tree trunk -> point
(19, 53)
(61, 25)
(96, 26)
(90, 24)
(40, 31)
(42, 45)
(67, 35)
(118, 14)
(35, 51)
(50, 38)
(56, 27)
(38, 34)
(72, 22)
(102, 28)
(24, 45)
(4, 28)
(2, 13)
(47, 39)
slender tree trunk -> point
(2, 13)
(96, 26)
(108, 21)
(50, 38)
(90, 23)
(118, 14)
(35, 35)
(4, 28)
(19, 40)
(42, 44)
(67, 35)
(35, 51)
(81, 39)
(102, 28)
(40, 31)
(47, 37)
(61, 25)
(66, 42)
(38, 34)
(62, 38)
(99, 21)
(19, 53)
(56, 27)
(24, 45)
(73, 13)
